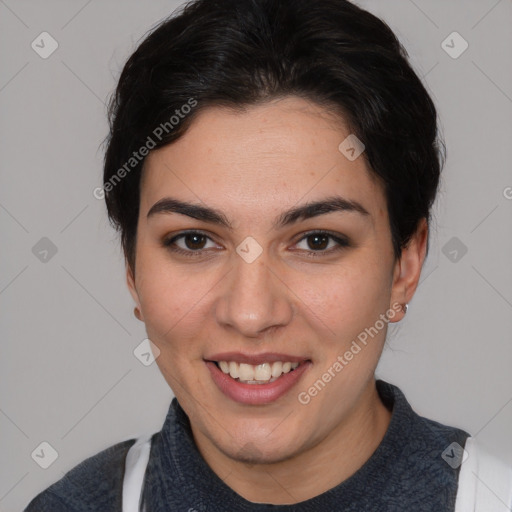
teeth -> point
(233, 370)
(255, 374)
(277, 369)
(262, 372)
(246, 372)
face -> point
(231, 267)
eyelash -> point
(341, 241)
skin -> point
(253, 165)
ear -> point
(407, 270)
(130, 281)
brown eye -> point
(194, 241)
(191, 243)
(317, 242)
(322, 243)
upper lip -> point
(255, 359)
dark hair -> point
(236, 53)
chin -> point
(252, 455)
(260, 449)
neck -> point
(334, 459)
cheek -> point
(346, 299)
(173, 301)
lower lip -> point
(256, 394)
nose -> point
(254, 299)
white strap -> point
(485, 482)
(135, 468)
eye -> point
(189, 243)
(322, 243)
(315, 243)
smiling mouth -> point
(263, 373)
(256, 379)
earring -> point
(405, 307)
(136, 312)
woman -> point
(271, 167)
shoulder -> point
(485, 481)
(435, 446)
(426, 455)
(439, 444)
(94, 484)
(422, 434)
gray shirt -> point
(406, 472)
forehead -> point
(259, 160)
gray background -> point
(68, 373)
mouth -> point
(256, 374)
(257, 379)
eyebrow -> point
(169, 205)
